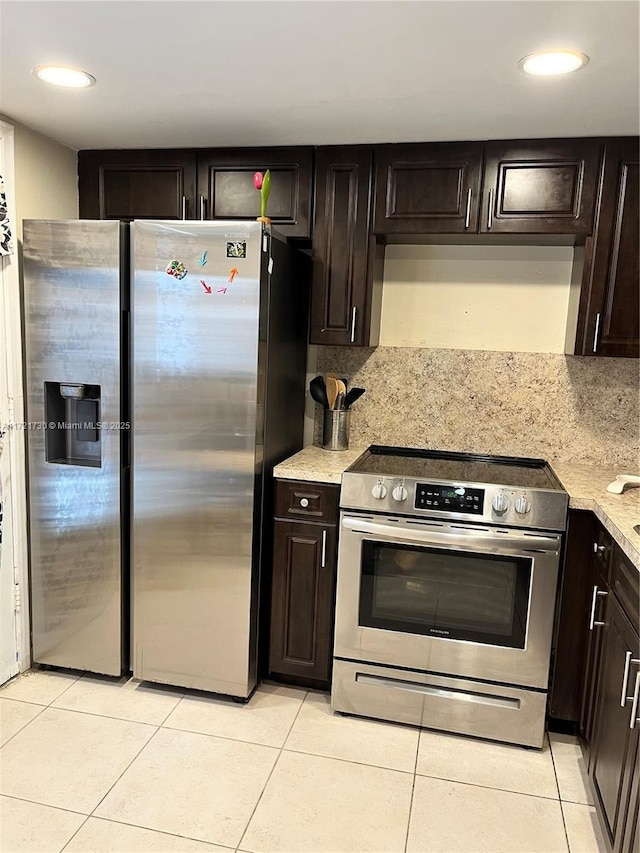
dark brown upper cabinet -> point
(226, 190)
(428, 188)
(609, 316)
(161, 184)
(347, 261)
(543, 186)
(136, 184)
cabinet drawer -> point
(625, 583)
(313, 501)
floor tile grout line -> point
(44, 805)
(22, 728)
(491, 788)
(275, 764)
(43, 704)
(135, 757)
(413, 788)
(106, 716)
(555, 773)
(159, 831)
(91, 813)
(69, 840)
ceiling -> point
(215, 73)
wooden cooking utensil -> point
(332, 390)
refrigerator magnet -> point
(177, 269)
(237, 249)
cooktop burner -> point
(500, 490)
(455, 467)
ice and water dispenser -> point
(72, 412)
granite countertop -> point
(317, 465)
(586, 486)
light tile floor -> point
(94, 765)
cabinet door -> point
(597, 573)
(615, 741)
(630, 841)
(302, 602)
(427, 189)
(609, 320)
(136, 184)
(347, 263)
(577, 581)
(226, 189)
(540, 186)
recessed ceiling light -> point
(58, 75)
(548, 63)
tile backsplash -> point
(556, 407)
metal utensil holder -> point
(336, 429)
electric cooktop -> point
(512, 491)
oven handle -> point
(481, 542)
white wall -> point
(509, 298)
(46, 177)
(41, 183)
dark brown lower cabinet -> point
(303, 602)
(614, 746)
(609, 723)
(597, 658)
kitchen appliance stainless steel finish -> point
(447, 575)
(219, 367)
(219, 362)
(75, 301)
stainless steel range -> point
(447, 573)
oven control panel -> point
(432, 496)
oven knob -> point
(522, 505)
(379, 491)
(399, 493)
(500, 503)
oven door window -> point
(456, 595)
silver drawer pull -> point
(596, 333)
(467, 215)
(592, 618)
(353, 323)
(599, 549)
(184, 207)
(304, 502)
(633, 719)
(439, 692)
(490, 211)
(323, 560)
(628, 660)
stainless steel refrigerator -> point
(218, 350)
(76, 305)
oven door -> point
(447, 598)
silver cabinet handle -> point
(353, 323)
(467, 216)
(633, 719)
(596, 333)
(490, 211)
(592, 618)
(304, 502)
(201, 207)
(628, 660)
(184, 207)
(599, 549)
(323, 559)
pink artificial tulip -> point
(257, 180)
